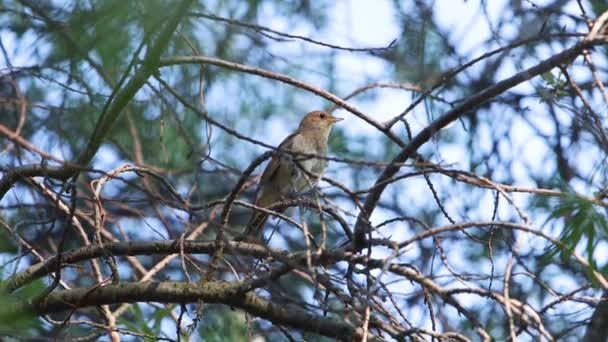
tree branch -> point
(124, 95)
(183, 292)
(471, 103)
(597, 330)
(285, 79)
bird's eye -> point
(322, 116)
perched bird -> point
(290, 174)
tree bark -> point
(184, 292)
(597, 331)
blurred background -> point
(533, 156)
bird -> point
(288, 174)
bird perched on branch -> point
(290, 171)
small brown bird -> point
(286, 174)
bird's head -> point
(318, 120)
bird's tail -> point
(255, 226)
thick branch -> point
(183, 293)
(131, 248)
(254, 250)
(14, 175)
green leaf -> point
(14, 318)
(136, 322)
(548, 77)
(582, 220)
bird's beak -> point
(333, 119)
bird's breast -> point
(305, 170)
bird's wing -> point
(273, 166)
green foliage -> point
(599, 6)
(582, 221)
(217, 324)
(15, 319)
(338, 142)
(555, 88)
(420, 52)
(220, 324)
(7, 243)
(149, 325)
